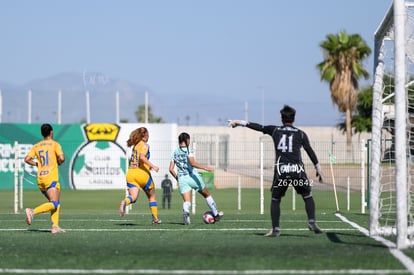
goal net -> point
(392, 151)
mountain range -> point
(73, 88)
(189, 109)
(193, 109)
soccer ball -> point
(208, 217)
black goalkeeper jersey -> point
(288, 141)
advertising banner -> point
(96, 154)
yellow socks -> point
(54, 216)
(154, 209)
(43, 208)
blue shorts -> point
(188, 182)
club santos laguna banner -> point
(96, 154)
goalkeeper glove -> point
(319, 173)
(234, 123)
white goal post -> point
(391, 190)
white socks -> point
(212, 204)
(186, 206)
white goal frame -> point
(391, 30)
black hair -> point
(288, 114)
(184, 137)
(45, 129)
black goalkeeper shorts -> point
(303, 186)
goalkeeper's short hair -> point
(288, 114)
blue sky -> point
(226, 52)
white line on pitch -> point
(404, 259)
(134, 220)
(198, 272)
(171, 229)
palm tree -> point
(342, 69)
(140, 115)
(362, 117)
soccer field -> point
(98, 241)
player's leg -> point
(185, 186)
(43, 208)
(306, 193)
(133, 193)
(200, 186)
(310, 211)
(132, 180)
(197, 183)
(186, 206)
(211, 204)
(53, 194)
(164, 198)
(152, 203)
(149, 189)
(278, 191)
(169, 201)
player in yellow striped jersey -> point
(48, 155)
(139, 173)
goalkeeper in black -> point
(289, 168)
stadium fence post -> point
(21, 193)
(16, 178)
(363, 153)
(193, 205)
(261, 179)
(348, 190)
(129, 207)
(193, 193)
(238, 193)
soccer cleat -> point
(313, 227)
(156, 221)
(29, 215)
(218, 216)
(273, 233)
(122, 206)
(186, 217)
(57, 229)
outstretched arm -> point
(252, 125)
(235, 122)
(199, 166)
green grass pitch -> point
(98, 241)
